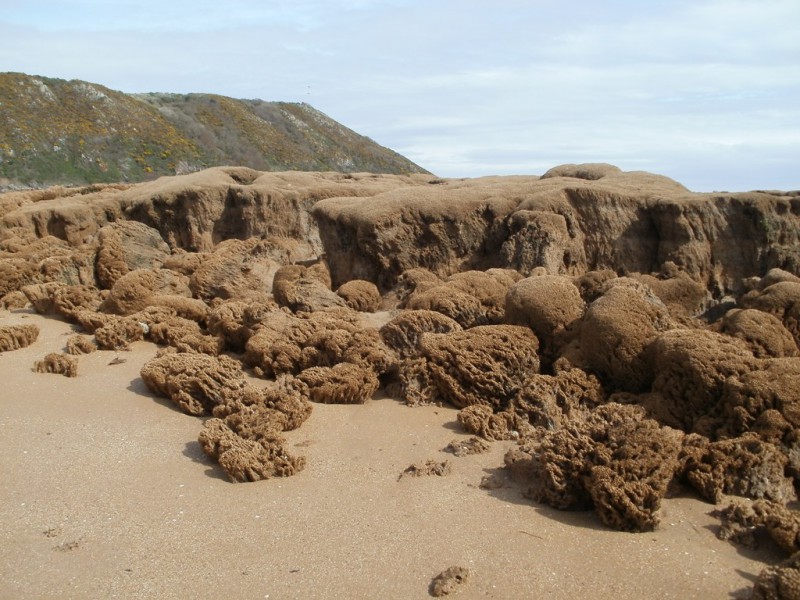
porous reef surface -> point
(630, 337)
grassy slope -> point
(56, 131)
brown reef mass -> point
(625, 335)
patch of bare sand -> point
(105, 493)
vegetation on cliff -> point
(56, 131)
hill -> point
(57, 131)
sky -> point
(704, 91)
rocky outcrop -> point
(133, 291)
(239, 269)
(68, 300)
(627, 222)
(443, 228)
(375, 228)
(548, 305)
(780, 582)
(627, 334)
(742, 519)
(682, 295)
(303, 289)
(126, 246)
(360, 295)
(257, 412)
(780, 299)
(616, 333)
(470, 298)
(236, 321)
(765, 401)
(117, 333)
(551, 401)
(196, 211)
(59, 364)
(482, 365)
(613, 459)
(13, 337)
(404, 332)
(744, 466)
(764, 333)
(27, 258)
(196, 383)
(288, 344)
(543, 403)
(691, 368)
(80, 344)
(343, 383)
(245, 459)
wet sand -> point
(105, 493)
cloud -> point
(181, 15)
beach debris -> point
(493, 482)
(429, 467)
(473, 445)
(246, 459)
(67, 546)
(449, 581)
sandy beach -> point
(107, 494)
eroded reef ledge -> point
(627, 335)
(572, 220)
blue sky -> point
(706, 92)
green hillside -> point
(56, 131)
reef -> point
(623, 335)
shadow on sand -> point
(511, 492)
(193, 451)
